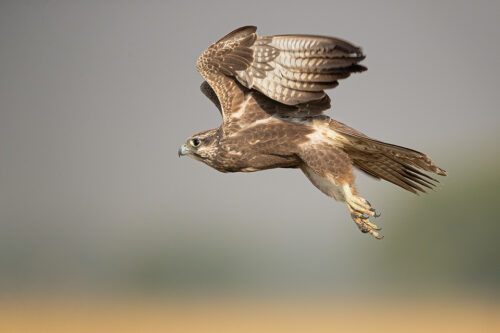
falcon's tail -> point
(398, 165)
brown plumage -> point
(270, 92)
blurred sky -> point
(96, 97)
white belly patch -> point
(325, 185)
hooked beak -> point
(183, 150)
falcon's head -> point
(202, 146)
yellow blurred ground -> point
(127, 315)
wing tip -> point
(441, 172)
(239, 33)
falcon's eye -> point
(195, 142)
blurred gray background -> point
(96, 97)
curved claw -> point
(375, 234)
(361, 211)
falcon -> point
(270, 91)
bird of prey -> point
(270, 93)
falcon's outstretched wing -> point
(290, 69)
(295, 69)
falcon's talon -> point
(361, 214)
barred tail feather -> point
(399, 165)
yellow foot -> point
(361, 211)
(362, 221)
